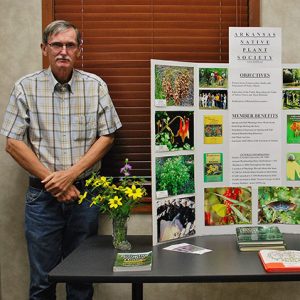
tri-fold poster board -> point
(225, 140)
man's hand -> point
(58, 183)
(71, 194)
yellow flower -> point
(97, 182)
(115, 202)
(82, 197)
(97, 199)
(134, 193)
(114, 187)
(89, 181)
(104, 181)
(121, 188)
(112, 197)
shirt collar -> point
(54, 84)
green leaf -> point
(239, 214)
(220, 210)
(236, 202)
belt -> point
(37, 184)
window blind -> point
(121, 36)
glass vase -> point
(120, 234)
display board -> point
(225, 140)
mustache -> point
(63, 58)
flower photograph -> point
(227, 205)
(174, 130)
(293, 166)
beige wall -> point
(284, 14)
(20, 38)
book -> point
(213, 129)
(293, 129)
(280, 261)
(248, 248)
(139, 261)
(213, 167)
(259, 235)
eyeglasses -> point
(57, 46)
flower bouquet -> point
(117, 199)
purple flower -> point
(126, 169)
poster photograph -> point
(174, 86)
(293, 166)
(174, 130)
(291, 77)
(291, 99)
(175, 218)
(227, 205)
(279, 205)
(175, 175)
(213, 77)
(213, 99)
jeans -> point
(53, 230)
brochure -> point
(187, 248)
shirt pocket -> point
(84, 127)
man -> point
(59, 124)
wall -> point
(20, 38)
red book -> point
(280, 260)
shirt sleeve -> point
(16, 118)
(108, 119)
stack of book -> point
(128, 261)
(256, 238)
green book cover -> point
(140, 261)
(293, 129)
(213, 167)
(259, 234)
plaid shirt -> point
(60, 122)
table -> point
(93, 260)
